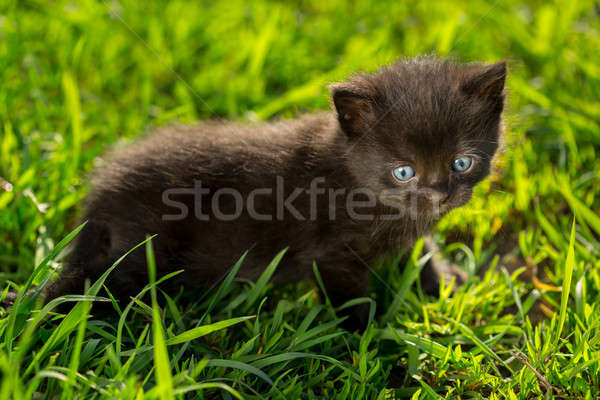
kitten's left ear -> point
(487, 82)
(354, 108)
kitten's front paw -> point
(436, 267)
(432, 273)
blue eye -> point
(462, 164)
(403, 173)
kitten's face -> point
(422, 133)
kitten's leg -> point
(344, 283)
(436, 267)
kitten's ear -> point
(354, 108)
(487, 82)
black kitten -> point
(344, 188)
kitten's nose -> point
(438, 188)
(436, 193)
(430, 201)
(437, 196)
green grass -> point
(79, 76)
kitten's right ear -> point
(354, 109)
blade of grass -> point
(566, 286)
(263, 279)
(76, 352)
(241, 366)
(162, 365)
(204, 330)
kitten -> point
(404, 146)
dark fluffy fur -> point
(424, 112)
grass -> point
(78, 77)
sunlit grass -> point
(79, 77)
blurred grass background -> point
(79, 76)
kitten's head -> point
(422, 133)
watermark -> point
(301, 203)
